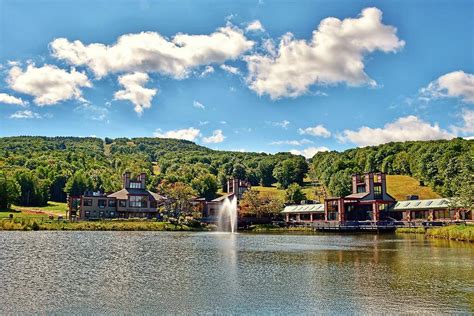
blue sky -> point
(246, 75)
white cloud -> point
(223, 122)
(217, 137)
(403, 129)
(309, 152)
(468, 123)
(208, 70)
(318, 130)
(27, 114)
(454, 84)
(198, 105)
(292, 142)
(230, 69)
(255, 26)
(9, 99)
(283, 124)
(188, 134)
(48, 84)
(202, 123)
(135, 92)
(152, 52)
(93, 112)
(335, 54)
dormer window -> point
(361, 188)
(135, 185)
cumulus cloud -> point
(9, 99)
(26, 114)
(335, 54)
(454, 84)
(48, 84)
(152, 52)
(403, 129)
(309, 152)
(134, 91)
(198, 105)
(230, 69)
(255, 26)
(188, 134)
(292, 142)
(207, 70)
(468, 123)
(318, 130)
(217, 137)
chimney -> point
(126, 180)
(143, 180)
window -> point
(87, 214)
(112, 214)
(137, 201)
(102, 203)
(361, 188)
(87, 202)
(112, 203)
(377, 192)
(377, 178)
(153, 204)
(135, 185)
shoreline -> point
(464, 233)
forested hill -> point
(446, 166)
(47, 167)
(36, 169)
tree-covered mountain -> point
(49, 167)
(34, 170)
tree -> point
(10, 191)
(239, 172)
(265, 172)
(253, 203)
(77, 184)
(294, 194)
(33, 190)
(179, 197)
(291, 170)
(205, 185)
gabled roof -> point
(304, 208)
(431, 204)
(124, 193)
(357, 195)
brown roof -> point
(124, 193)
(357, 195)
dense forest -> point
(37, 169)
(34, 170)
(444, 165)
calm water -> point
(153, 272)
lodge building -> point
(370, 202)
(133, 201)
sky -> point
(259, 75)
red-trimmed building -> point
(370, 202)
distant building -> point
(235, 188)
(133, 201)
(369, 201)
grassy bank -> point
(451, 232)
(268, 228)
(113, 225)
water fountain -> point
(227, 215)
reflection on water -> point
(155, 272)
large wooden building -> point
(370, 202)
(133, 201)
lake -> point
(174, 272)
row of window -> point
(135, 185)
(134, 201)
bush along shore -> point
(113, 225)
(451, 232)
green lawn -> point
(53, 208)
(401, 186)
